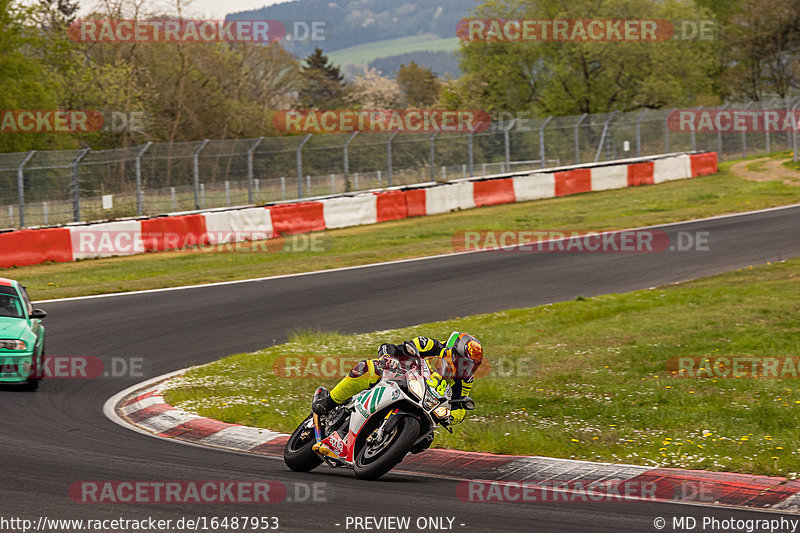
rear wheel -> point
(378, 456)
(297, 453)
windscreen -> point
(11, 306)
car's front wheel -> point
(37, 370)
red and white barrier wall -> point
(127, 237)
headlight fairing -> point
(416, 388)
(13, 344)
(431, 401)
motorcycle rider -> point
(462, 352)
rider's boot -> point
(323, 403)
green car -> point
(21, 337)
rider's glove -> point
(438, 383)
(457, 416)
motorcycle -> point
(374, 430)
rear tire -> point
(405, 433)
(297, 453)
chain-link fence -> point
(45, 188)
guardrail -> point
(180, 230)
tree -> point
(372, 91)
(26, 81)
(323, 83)
(762, 47)
(419, 85)
(574, 77)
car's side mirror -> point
(38, 314)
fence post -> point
(139, 192)
(347, 161)
(507, 141)
(578, 139)
(333, 184)
(789, 134)
(21, 188)
(694, 134)
(794, 131)
(639, 133)
(666, 130)
(250, 176)
(196, 172)
(389, 157)
(471, 153)
(541, 140)
(603, 136)
(283, 188)
(744, 135)
(300, 165)
(433, 156)
(76, 186)
(719, 136)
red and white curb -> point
(142, 408)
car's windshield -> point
(10, 306)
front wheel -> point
(375, 458)
(37, 371)
(297, 453)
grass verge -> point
(615, 209)
(593, 381)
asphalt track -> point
(58, 435)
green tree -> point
(323, 84)
(26, 80)
(574, 77)
(420, 86)
(762, 46)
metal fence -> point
(41, 188)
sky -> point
(218, 9)
(213, 9)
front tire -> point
(297, 453)
(32, 384)
(372, 463)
